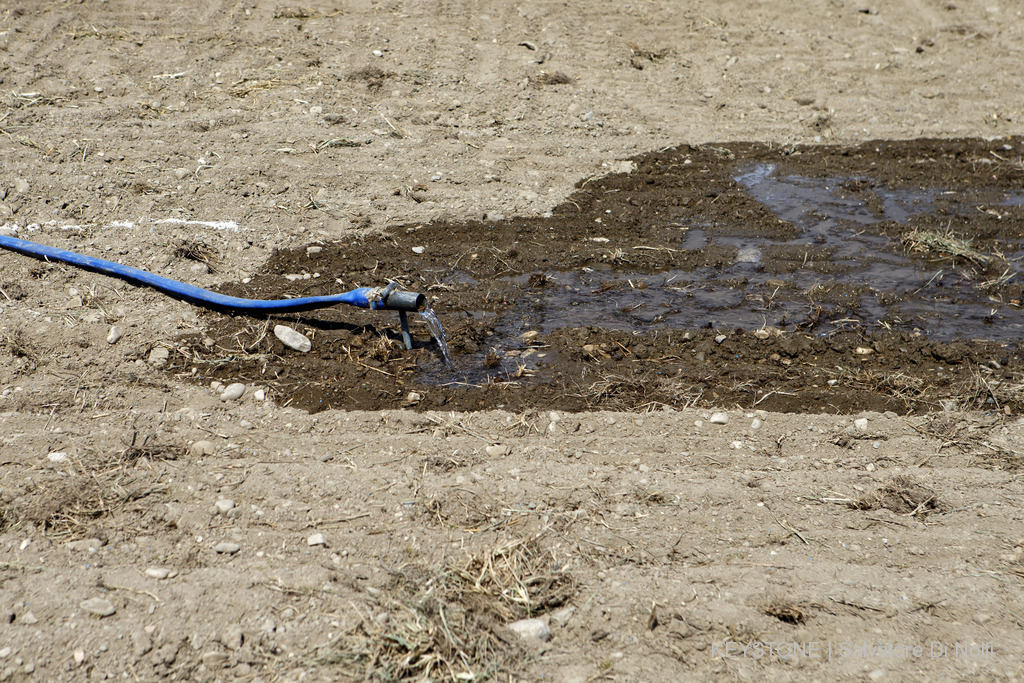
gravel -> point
(233, 392)
(293, 339)
(101, 607)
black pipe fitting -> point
(404, 301)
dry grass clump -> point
(449, 623)
(943, 244)
(552, 78)
(196, 250)
(65, 502)
(903, 496)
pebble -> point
(87, 544)
(201, 448)
(21, 186)
(863, 351)
(226, 548)
(497, 450)
(259, 394)
(79, 657)
(720, 338)
(756, 424)
(313, 250)
(214, 660)
(224, 505)
(316, 539)
(114, 334)
(5, 652)
(158, 573)
(861, 424)
(29, 618)
(233, 392)
(418, 250)
(531, 628)
(414, 397)
(101, 607)
(232, 637)
(159, 355)
(718, 419)
(292, 339)
(57, 456)
(200, 269)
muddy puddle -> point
(885, 276)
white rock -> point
(292, 339)
(159, 355)
(718, 419)
(79, 657)
(755, 424)
(217, 386)
(29, 618)
(101, 607)
(57, 456)
(158, 573)
(233, 392)
(226, 548)
(313, 250)
(418, 250)
(224, 505)
(861, 424)
(316, 539)
(720, 338)
(497, 450)
(414, 397)
(531, 628)
(201, 448)
(114, 334)
(259, 394)
(21, 186)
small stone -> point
(226, 548)
(259, 394)
(310, 251)
(497, 450)
(56, 456)
(233, 392)
(79, 657)
(101, 607)
(531, 629)
(863, 351)
(870, 467)
(158, 573)
(29, 619)
(316, 539)
(217, 386)
(159, 355)
(87, 544)
(214, 660)
(292, 339)
(418, 250)
(141, 643)
(877, 674)
(861, 424)
(29, 668)
(720, 338)
(232, 637)
(529, 334)
(114, 334)
(562, 616)
(718, 419)
(755, 424)
(201, 448)
(414, 397)
(21, 186)
(224, 505)
(200, 268)
(5, 652)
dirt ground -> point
(733, 297)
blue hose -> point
(364, 297)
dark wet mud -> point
(880, 277)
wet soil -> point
(793, 279)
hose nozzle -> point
(389, 299)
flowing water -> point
(437, 332)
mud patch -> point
(884, 277)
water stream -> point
(437, 332)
